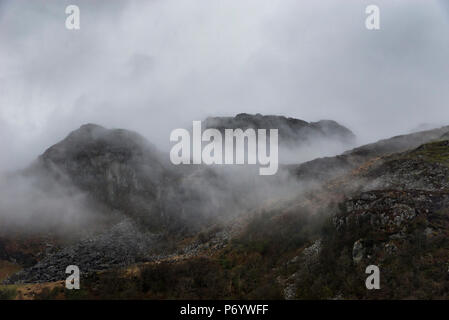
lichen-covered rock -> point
(358, 251)
(389, 219)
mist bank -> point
(97, 176)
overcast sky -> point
(156, 65)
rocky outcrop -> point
(389, 219)
(308, 258)
(424, 168)
(358, 251)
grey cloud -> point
(152, 66)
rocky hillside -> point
(331, 167)
(394, 213)
(307, 233)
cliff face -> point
(118, 170)
(117, 167)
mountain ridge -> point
(290, 129)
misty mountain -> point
(123, 171)
(118, 168)
(299, 140)
(292, 132)
(110, 164)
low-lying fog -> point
(154, 66)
